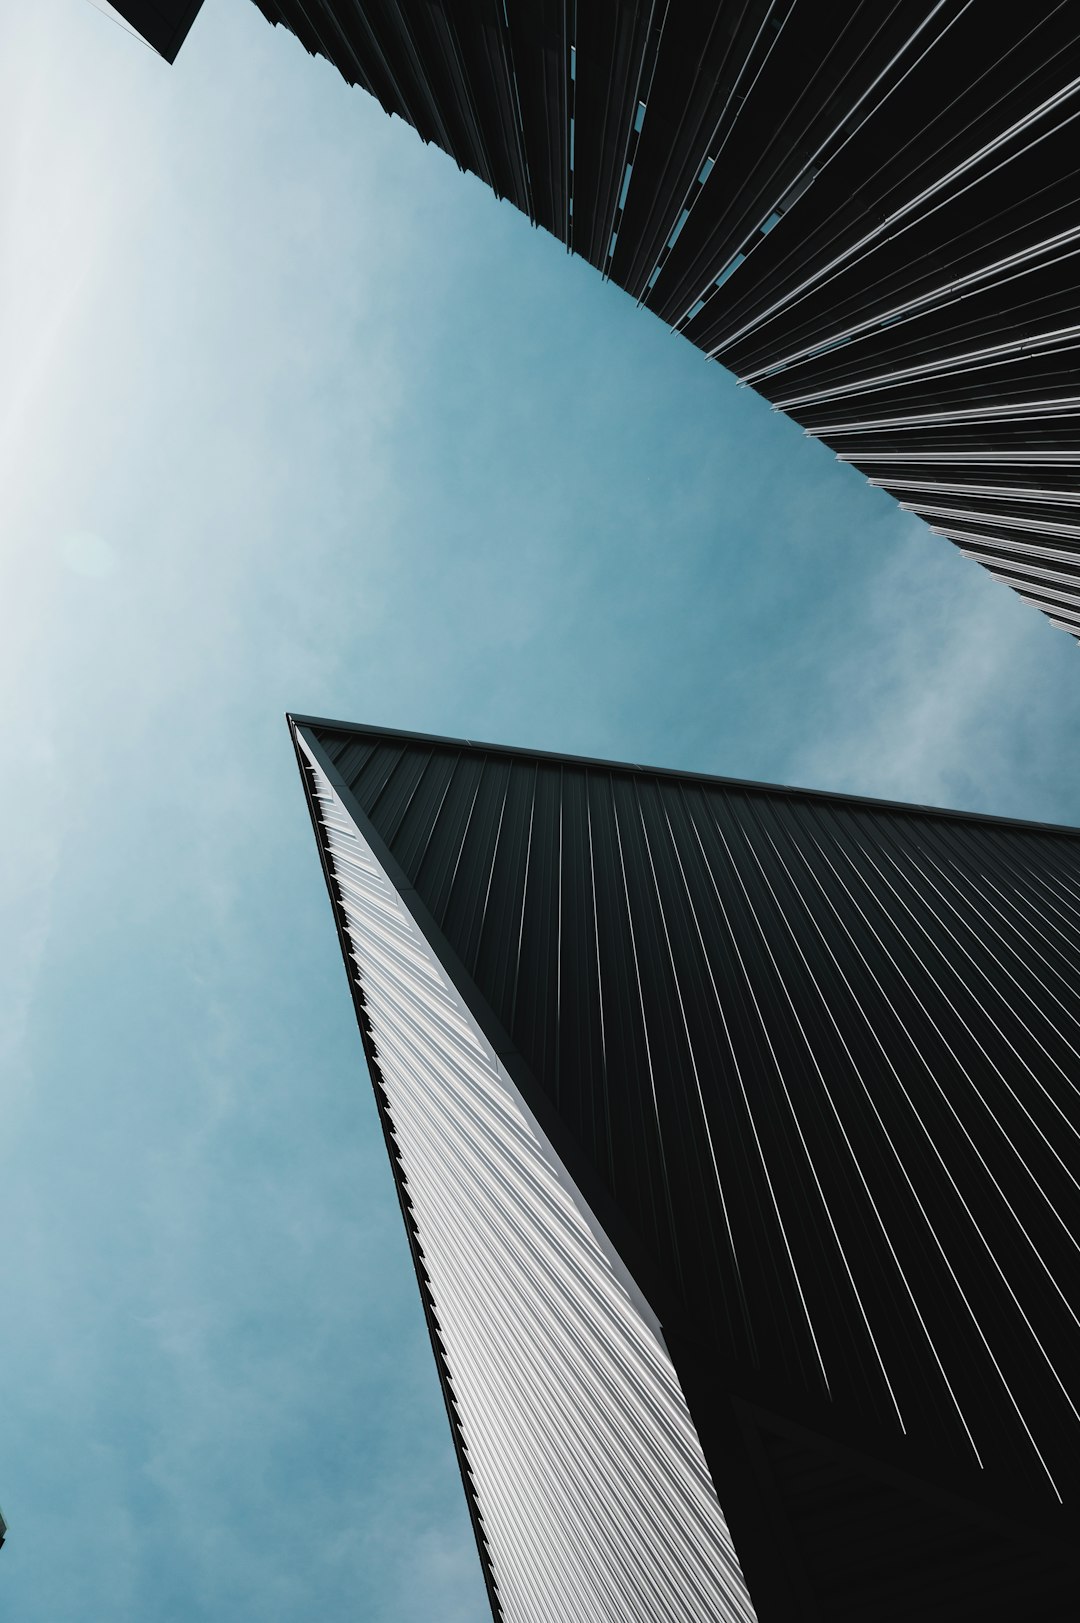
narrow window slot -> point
(728, 269)
(679, 223)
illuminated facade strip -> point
(592, 1492)
(816, 1060)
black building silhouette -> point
(868, 213)
(164, 24)
(735, 1129)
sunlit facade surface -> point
(736, 1132)
(592, 1496)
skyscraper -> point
(870, 215)
(735, 1129)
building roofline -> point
(749, 785)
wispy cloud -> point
(947, 690)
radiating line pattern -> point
(875, 223)
(825, 1055)
(817, 1061)
(594, 1497)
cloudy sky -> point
(297, 417)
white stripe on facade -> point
(593, 1493)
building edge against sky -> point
(875, 227)
(590, 1494)
(796, 1067)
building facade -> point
(869, 216)
(735, 1130)
(163, 24)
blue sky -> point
(297, 417)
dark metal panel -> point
(496, 961)
(540, 52)
(874, 224)
(164, 24)
(436, 874)
(534, 1009)
(819, 1058)
(611, 43)
(848, 217)
(581, 1037)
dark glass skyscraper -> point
(868, 213)
(735, 1130)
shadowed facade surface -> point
(164, 24)
(868, 213)
(809, 1063)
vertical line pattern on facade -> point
(746, 1097)
(993, 1067)
(687, 1032)
(639, 95)
(882, 215)
(988, 1017)
(894, 1072)
(655, 1100)
(912, 203)
(819, 1069)
(491, 873)
(855, 1110)
(990, 1250)
(594, 1497)
(809, 168)
(764, 935)
(750, 1115)
(924, 1064)
(604, 1112)
(558, 950)
(1009, 947)
(714, 146)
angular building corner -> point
(589, 1491)
(871, 218)
(735, 1129)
